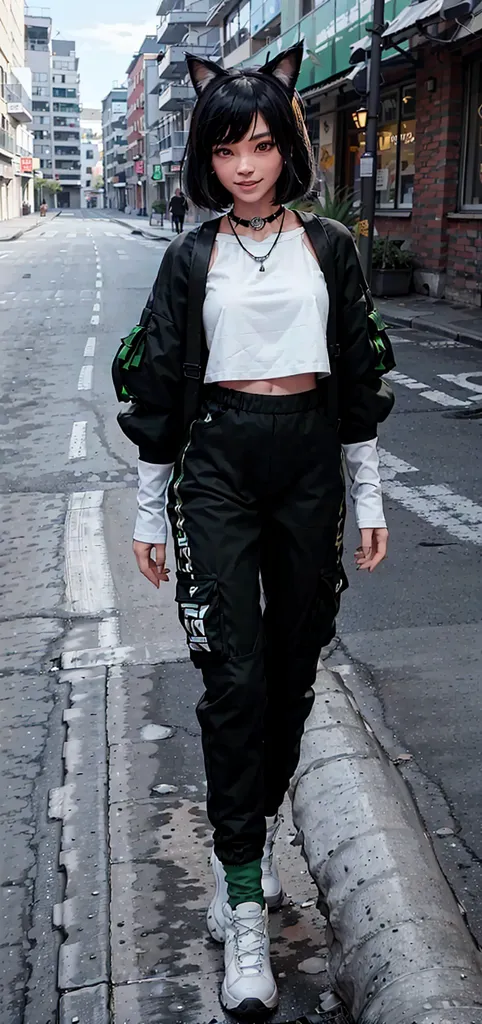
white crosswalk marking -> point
(464, 380)
(437, 504)
(424, 390)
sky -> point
(106, 37)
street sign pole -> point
(368, 162)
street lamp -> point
(360, 117)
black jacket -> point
(156, 421)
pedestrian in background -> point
(178, 207)
(284, 382)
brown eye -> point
(265, 147)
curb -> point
(418, 323)
(24, 231)
(141, 231)
(400, 950)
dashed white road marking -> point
(96, 307)
(3, 255)
(85, 378)
(89, 349)
(111, 234)
(78, 442)
(98, 283)
(95, 319)
(98, 295)
(437, 504)
(71, 234)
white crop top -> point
(263, 325)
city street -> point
(97, 696)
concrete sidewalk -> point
(436, 316)
(14, 228)
(135, 947)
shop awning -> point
(406, 23)
(473, 27)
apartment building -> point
(16, 139)
(182, 26)
(91, 159)
(137, 125)
(114, 136)
(55, 108)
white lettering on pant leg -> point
(193, 617)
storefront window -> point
(396, 151)
(472, 183)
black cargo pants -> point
(258, 489)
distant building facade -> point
(55, 109)
(16, 137)
(114, 142)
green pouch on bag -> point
(377, 330)
(128, 359)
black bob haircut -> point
(228, 102)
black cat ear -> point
(286, 66)
(203, 71)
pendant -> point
(261, 269)
(257, 223)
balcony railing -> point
(7, 141)
(174, 139)
(18, 100)
(264, 14)
(173, 26)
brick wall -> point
(449, 251)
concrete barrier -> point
(400, 950)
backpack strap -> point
(194, 352)
(320, 240)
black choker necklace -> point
(256, 223)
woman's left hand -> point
(373, 548)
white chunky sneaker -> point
(215, 919)
(272, 888)
(249, 989)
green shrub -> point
(387, 255)
(337, 206)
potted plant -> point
(392, 268)
(338, 205)
(158, 208)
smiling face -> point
(250, 168)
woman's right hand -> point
(153, 569)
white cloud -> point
(119, 37)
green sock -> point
(244, 883)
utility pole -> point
(368, 162)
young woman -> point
(285, 380)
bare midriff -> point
(275, 386)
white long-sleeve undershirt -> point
(362, 463)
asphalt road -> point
(410, 644)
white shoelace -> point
(249, 937)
